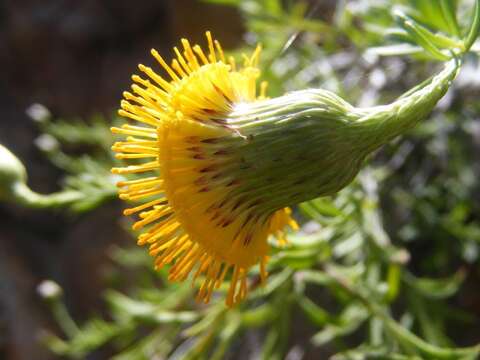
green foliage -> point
(88, 174)
(376, 271)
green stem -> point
(389, 121)
(23, 195)
(63, 318)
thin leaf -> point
(449, 16)
(436, 288)
(474, 27)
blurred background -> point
(76, 58)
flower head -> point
(227, 164)
(198, 212)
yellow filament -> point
(179, 118)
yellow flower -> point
(198, 213)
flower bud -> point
(12, 174)
(38, 113)
(49, 290)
